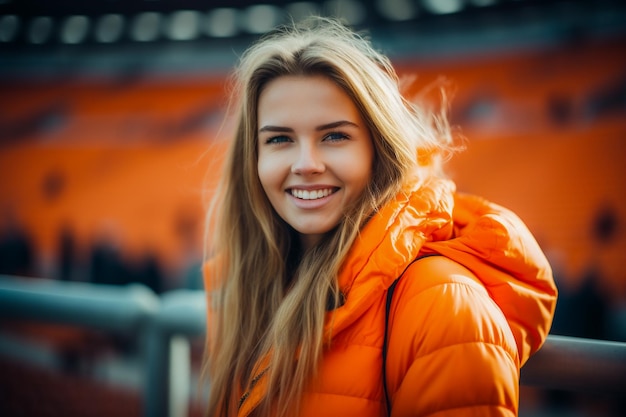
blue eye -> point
(277, 139)
(336, 136)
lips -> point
(311, 194)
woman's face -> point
(315, 152)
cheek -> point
(268, 174)
(263, 174)
(365, 176)
(358, 171)
(356, 177)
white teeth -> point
(311, 195)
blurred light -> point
(483, 3)
(9, 25)
(260, 18)
(398, 10)
(109, 28)
(40, 29)
(350, 10)
(146, 27)
(443, 6)
(184, 25)
(74, 29)
(301, 10)
(221, 22)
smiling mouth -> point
(312, 194)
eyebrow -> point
(327, 126)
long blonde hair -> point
(272, 299)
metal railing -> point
(576, 364)
(165, 325)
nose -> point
(309, 161)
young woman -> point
(332, 191)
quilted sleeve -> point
(451, 351)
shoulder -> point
(432, 273)
(439, 302)
(445, 327)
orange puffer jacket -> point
(461, 324)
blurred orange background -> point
(110, 148)
(134, 163)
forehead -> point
(296, 98)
